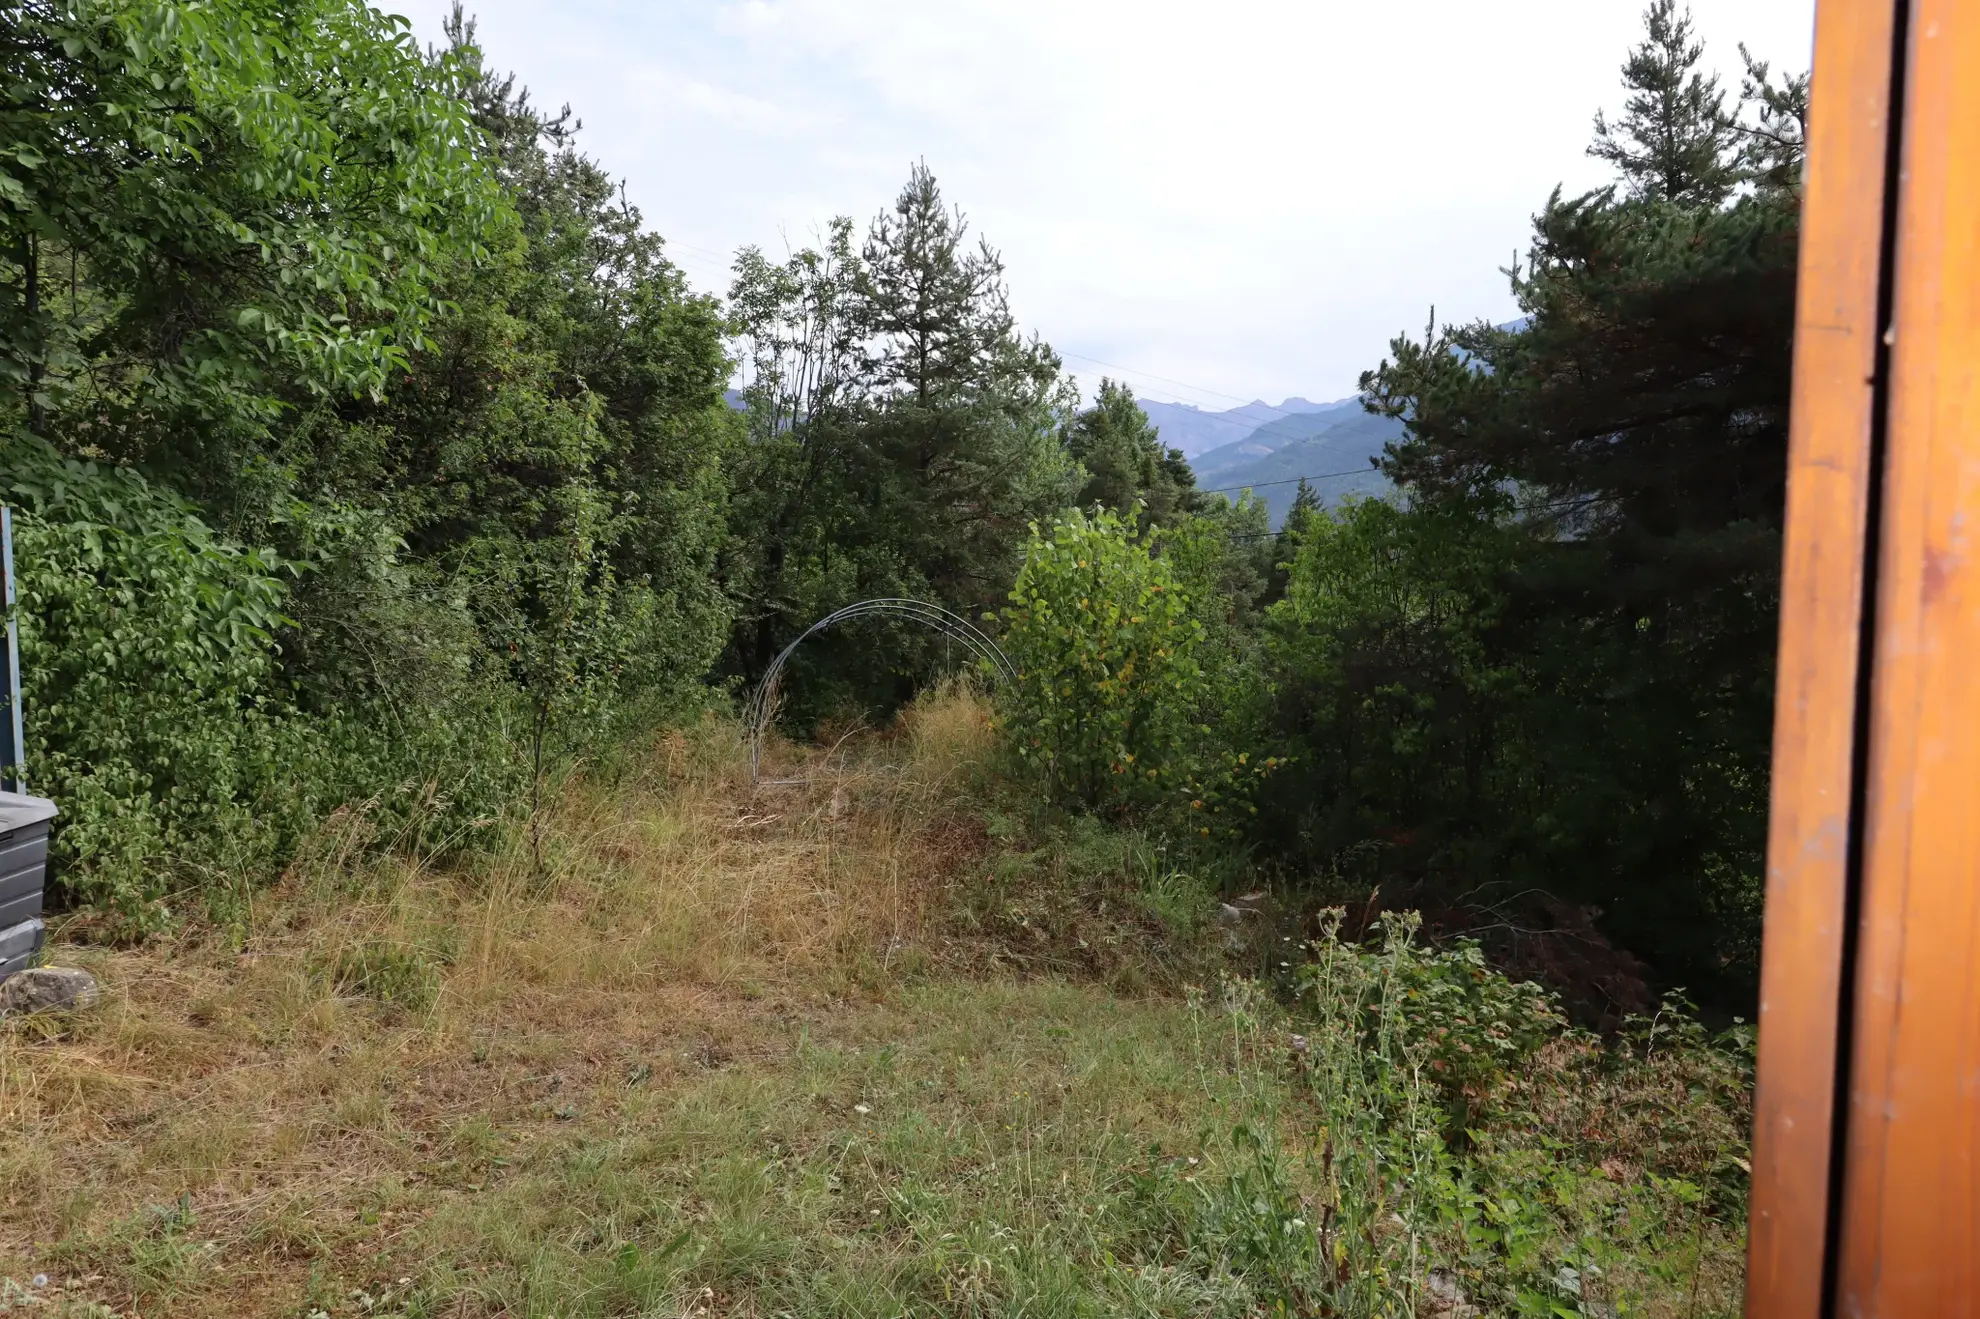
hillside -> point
(1195, 431)
(1138, 913)
(1268, 448)
(1331, 449)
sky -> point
(1217, 201)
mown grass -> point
(855, 1045)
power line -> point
(1180, 384)
(1246, 427)
(1260, 485)
(1218, 418)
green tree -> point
(211, 213)
(572, 405)
(1124, 696)
(1305, 507)
(1391, 687)
(1604, 482)
(1129, 469)
(903, 434)
(422, 439)
(148, 644)
(1673, 142)
(964, 412)
(1108, 678)
(1774, 138)
(801, 331)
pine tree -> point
(1305, 507)
(1674, 141)
(1126, 462)
(1633, 430)
(958, 441)
(904, 434)
(1293, 532)
(939, 310)
(1775, 139)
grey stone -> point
(1445, 1298)
(47, 989)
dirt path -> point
(720, 1058)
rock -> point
(1445, 1298)
(47, 989)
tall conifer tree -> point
(1126, 462)
(1673, 141)
(1632, 430)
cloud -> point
(1248, 195)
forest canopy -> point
(369, 449)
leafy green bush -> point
(1472, 1026)
(1107, 672)
(1583, 1182)
(148, 654)
(164, 723)
(1111, 699)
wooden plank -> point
(1911, 1219)
(1816, 695)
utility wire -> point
(1180, 384)
(1260, 485)
(1245, 426)
(1218, 418)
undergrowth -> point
(880, 1040)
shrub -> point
(1586, 1177)
(148, 654)
(1111, 702)
(1107, 671)
(161, 720)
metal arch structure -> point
(762, 701)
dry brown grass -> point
(680, 919)
(812, 1046)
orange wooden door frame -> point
(1866, 1169)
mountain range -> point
(1189, 428)
(1269, 448)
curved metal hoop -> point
(763, 701)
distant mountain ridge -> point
(1189, 428)
(1269, 448)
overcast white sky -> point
(1231, 198)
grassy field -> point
(857, 1045)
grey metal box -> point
(24, 822)
(18, 945)
(23, 873)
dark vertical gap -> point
(1866, 649)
